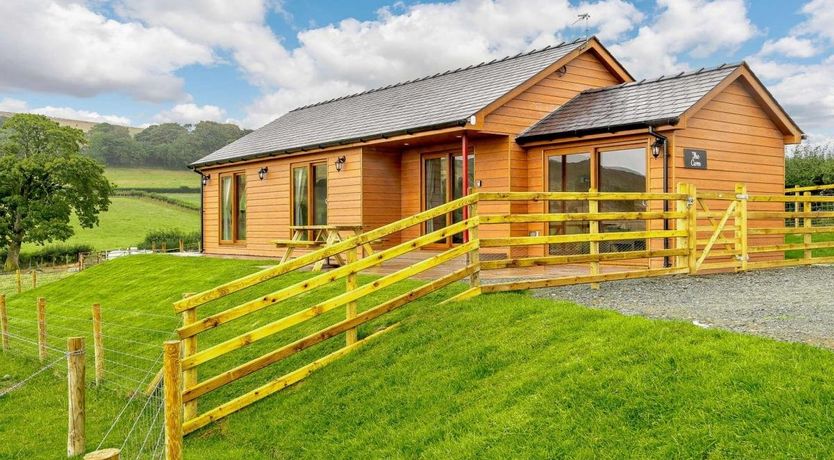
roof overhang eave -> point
(612, 129)
(338, 143)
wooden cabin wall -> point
(523, 111)
(743, 146)
(268, 201)
(382, 189)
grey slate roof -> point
(647, 102)
(441, 100)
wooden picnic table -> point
(323, 235)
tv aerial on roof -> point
(583, 17)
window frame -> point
(235, 207)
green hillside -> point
(495, 377)
(128, 220)
(153, 178)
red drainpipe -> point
(465, 155)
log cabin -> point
(568, 117)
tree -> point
(159, 141)
(810, 165)
(44, 179)
(114, 146)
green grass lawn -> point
(128, 220)
(494, 377)
(816, 238)
(152, 178)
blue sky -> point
(141, 62)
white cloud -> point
(685, 28)
(16, 105)
(190, 113)
(8, 104)
(790, 46)
(820, 19)
(407, 42)
(808, 96)
(67, 48)
(86, 115)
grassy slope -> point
(498, 376)
(128, 220)
(136, 294)
(152, 178)
(508, 376)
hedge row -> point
(156, 196)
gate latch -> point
(742, 196)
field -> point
(495, 377)
(151, 178)
(193, 198)
(128, 220)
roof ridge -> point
(662, 78)
(446, 72)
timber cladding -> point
(577, 99)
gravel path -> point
(792, 304)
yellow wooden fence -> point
(698, 231)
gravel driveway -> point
(793, 304)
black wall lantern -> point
(262, 172)
(205, 179)
(658, 147)
(340, 163)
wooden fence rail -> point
(698, 231)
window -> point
(623, 171)
(569, 173)
(309, 194)
(613, 170)
(233, 207)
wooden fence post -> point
(182, 246)
(808, 222)
(173, 400)
(474, 256)
(742, 226)
(98, 344)
(19, 284)
(34, 278)
(189, 347)
(4, 323)
(75, 393)
(692, 228)
(796, 207)
(104, 454)
(164, 248)
(680, 224)
(42, 328)
(593, 208)
(351, 283)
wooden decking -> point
(545, 272)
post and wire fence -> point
(124, 359)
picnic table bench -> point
(323, 235)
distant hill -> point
(79, 124)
